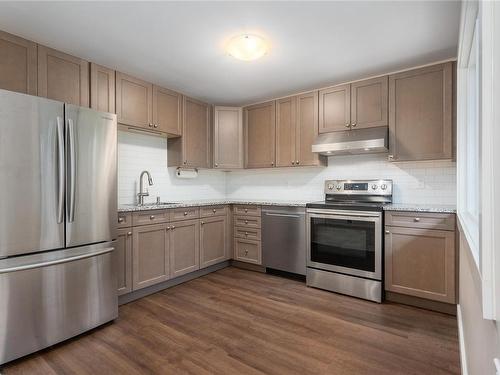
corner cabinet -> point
(102, 88)
(420, 255)
(18, 64)
(421, 114)
(260, 135)
(228, 138)
(193, 149)
(63, 77)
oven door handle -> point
(343, 213)
(374, 219)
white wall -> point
(416, 182)
(138, 152)
(422, 182)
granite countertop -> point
(417, 207)
(210, 202)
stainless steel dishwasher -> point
(284, 239)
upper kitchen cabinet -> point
(307, 130)
(421, 114)
(286, 129)
(18, 64)
(260, 132)
(369, 103)
(193, 149)
(296, 130)
(167, 111)
(228, 138)
(63, 77)
(134, 99)
(102, 88)
(334, 108)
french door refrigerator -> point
(57, 222)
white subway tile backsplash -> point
(414, 182)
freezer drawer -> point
(49, 297)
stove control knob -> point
(339, 187)
(330, 186)
(383, 186)
(374, 187)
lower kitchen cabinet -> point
(184, 247)
(123, 260)
(247, 251)
(421, 263)
(213, 240)
(151, 250)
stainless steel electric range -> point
(345, 238)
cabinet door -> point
(167, 111)
(228, 137)
(134, 101)
(286, 132)
(420, 114)
(102, 88)
(213, 246)
(420, 263)
(63, 77)
(123, 260)
(150, 255)
(18, 70)
(307, 130)
(369, 103)
(184, 247)
(335, 109)
(260, 134)
(196, 134)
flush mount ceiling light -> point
(247, 47)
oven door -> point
(348, 242)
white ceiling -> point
(180, 44)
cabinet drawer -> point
(247, 222)
(213, 211)
(425, 220)
(247, 210)
(150, 217)
(185, 213)
(248, 251)
(247, 233)
(124, 220)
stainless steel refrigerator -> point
(57, 222)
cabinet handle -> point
(272, 164)
(185, 162)
(185, 213)
(390, 157)
(216, 165)
(129, 233)
(293, 163)
(202, 223)
(168, 228)
(152, 217)
(353, 124)
(173, 227)
(214, 210)
(155, 125)
(120, 219)
(246, 234)
(150, 125)
(297, 162)
(417, 219)
(347, 125)
(246, 210)
(246, 252)
(246, 221)
(387, 232)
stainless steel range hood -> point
(358, 141)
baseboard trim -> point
(461, 342)
(132, 296)
(248, 266)
(446, 308)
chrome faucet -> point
(142, 194)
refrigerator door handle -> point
(61, 174)
(72, 171)
(56, 261)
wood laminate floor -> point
(241, 322)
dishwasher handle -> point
(284, 215)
